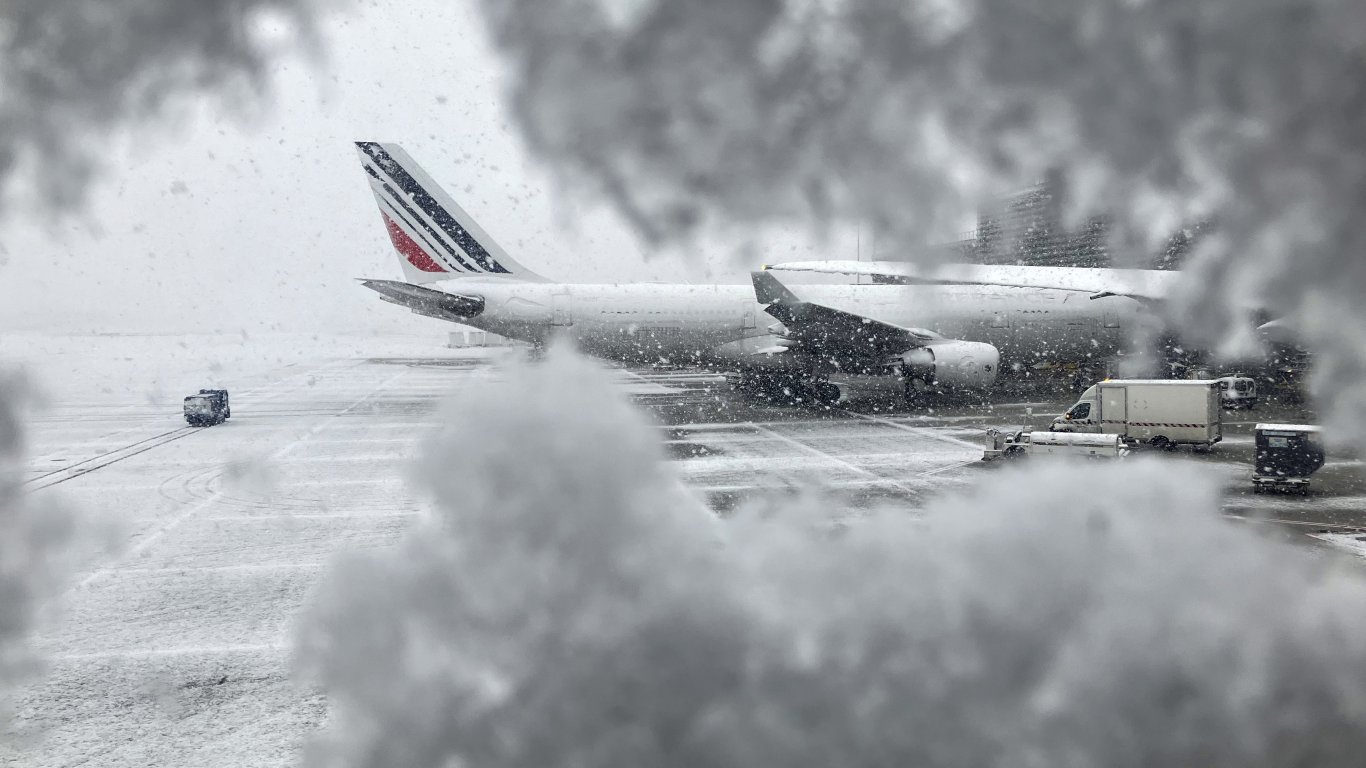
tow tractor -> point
(1027, 442)
(1020, 444)
(1287, 454)
(207, 408)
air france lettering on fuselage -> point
(719, 324)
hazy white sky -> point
(258, 218)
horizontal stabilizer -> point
(426, 301)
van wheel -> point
(1162, 443)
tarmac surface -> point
(175, 651)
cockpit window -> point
(1080, 411)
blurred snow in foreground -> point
(36, 543)
(908, 113)
(74, 69)
(570, 607)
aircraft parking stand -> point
(174, 651)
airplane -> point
(928, 337)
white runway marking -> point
(1353, 543)
(211, 650)
(921, 431)
(339, 515)
(250, 567)
(831, 458)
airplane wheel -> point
(826, 393)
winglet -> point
(769, 290)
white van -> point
(1160, 412)
(1238, 391)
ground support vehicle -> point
(1020, 444)
(1287, 454)
(1238, 391)
(207, 408)
(1163, 413)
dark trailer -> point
(1287, 454)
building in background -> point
(1027, 228)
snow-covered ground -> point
(175, 650)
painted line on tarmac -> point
(1301, 523)
(832, 458)
(1349, 543)
(145, 653)
(394, 515)
(949, 468)
(922, 431)
(235, 568)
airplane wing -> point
(427, 301)
(1141, 284)
(847, 341)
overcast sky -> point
(258, 219)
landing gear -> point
(920, 393)
(825, 392)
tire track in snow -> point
(144, 543)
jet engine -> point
(953, 365)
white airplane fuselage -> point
(723, 324)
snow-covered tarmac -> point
(174, 651)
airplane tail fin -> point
(435, 238)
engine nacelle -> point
(953, 364)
